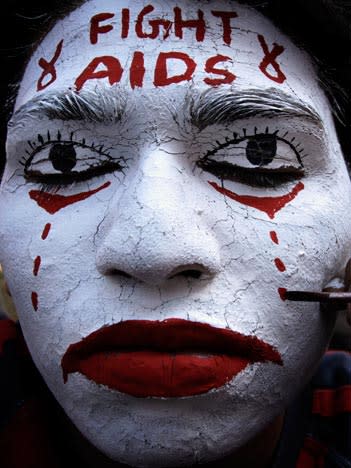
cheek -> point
(41, 260)
(271, 206)
(53, 203)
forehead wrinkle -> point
(220, 106)
(98, 104)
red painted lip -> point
(169, 358)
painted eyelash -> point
(258, 175)
(253, 177)
(43, 142)
(55, 180)
(237, 138)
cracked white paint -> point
(160, 215)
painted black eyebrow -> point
(100, 105)
(221, 106)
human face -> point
(174, 199)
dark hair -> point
(322, 27)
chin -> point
(166, 432)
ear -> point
(6, 303)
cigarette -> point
(314, 296)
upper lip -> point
(172, 335)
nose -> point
(155, 229)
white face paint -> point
(182, 217)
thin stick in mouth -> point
(316, 296)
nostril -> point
(189, 274)
(195, 272)
(116, 272)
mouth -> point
(169, 358)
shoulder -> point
(332, 385)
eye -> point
(262, 159)
(58, 161)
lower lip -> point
(160, 374)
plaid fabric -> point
(328, 441)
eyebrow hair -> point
(220, 106)
(98, 104)
(102, 104)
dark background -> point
(323, 26)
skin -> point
(125, 252)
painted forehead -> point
(166, 43)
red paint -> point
(137, 70)
(155, 25)
(270, 205)
(125, 22)
(113, 71)
(35, 300)
(270, 60)
(49, 69)
(161, 72)
(210, 67)
(199, 24)
(158, 374)
(96, 28)
(282, 293)
(36, 266)
(46, 231)
(279, 264)
(170, 358)
(274, 237)
(226, 16)
(53, 202)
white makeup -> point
(123, 242)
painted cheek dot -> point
(46, 231)
(279, 264)
(36, 267)
(35, 300)
(274, 237)
(282, 293)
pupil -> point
(261, 149)
(63, 157)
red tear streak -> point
(36, 267)
(53, 202)
(274, 237)
(46, 231)
(270, 205)
(35, 300)
(279, 264)
(282, 293)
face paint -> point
(36, 266)
(270, 205)
(279, 264)
(274, 237)
(169, 369)
(49, 70)
(142, 251)
(46, 231)
(35, 300)
(52, 203)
